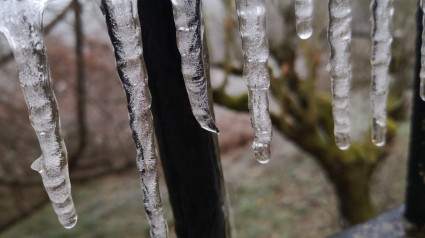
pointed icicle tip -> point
(209, 125)
(37, 166)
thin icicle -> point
(382, 11)
(21, 23)
(255, 47)
(422, 72)
(125, 33)
(189, 41)
(339, 37)
(304, 17)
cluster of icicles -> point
(21, 23)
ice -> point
(189, 41)
(304, 16)
(21, 23)
(339, 37)
(125, 33)
(252, 26)
(382, 11)
(422, 72)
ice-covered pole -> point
(255, 47)
(304, 17)
(339, 37)
(21, 23)
(187, 17)
(382, 11)
(124, 30)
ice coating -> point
(382, 11)
(339, 37)
(125, 33)
(187, 18)
(255, 47)
(304, 17)
(21, 23)
(422, 72)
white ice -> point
(21, 23)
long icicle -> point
(125, 33)
(255, 47)
(21, 23)
(382, 11)
(304, 17)
(339, 37)
(187, 18)
(422, 72)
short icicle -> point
(339, 37)
(187, 17)
(382, 11)
(304, 17)
(125, 33)
(422, 72)
(21, 23)
(255, 47)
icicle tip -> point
(262, 152)
(342, 141)
(209, 125)
(379, 130)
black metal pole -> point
(188, 153)
(415, 191)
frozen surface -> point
(382, 11)
(21, 23)
(255, 47)
(187, 18)
(304, 17)
(339, 37)
(124, 30)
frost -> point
(255, 47)
(125, 33)
(382, 11)
(21, 23)
(304, 16)
(339, 37)
(187, 18)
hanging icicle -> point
(339, 37)
(125, 33)
(21, 23)
(255, 47)
(189, 41)
(422, 72)
(304, 17)
(382, 11)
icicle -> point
(189, 41)
(255, 47)
(304, 16)
(125, 33)
(21, 23)
(382, 11)
(339, 37)
(422, 72)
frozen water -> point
(21, 23)
(255, 47)
(304, 17)
(187, 18)
(125, 33)
(382, 11)
(339, 37)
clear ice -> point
(187, 17)
(125, 33)
(21, 23)
(422, 72)
(382, 11)
(304, 17)
(255, 47)
(339, 37)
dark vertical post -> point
(415, 193)
(188, 153)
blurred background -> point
(309, 189)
